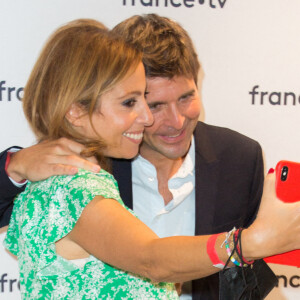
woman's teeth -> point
(135, 136)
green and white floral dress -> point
(46, 212)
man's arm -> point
(7, 191)
(38, 162)
(58, 157)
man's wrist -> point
(14, 176)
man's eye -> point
(186, 97)
(129, 102)
(153, 106)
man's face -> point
(175, 105)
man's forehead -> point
(173, 78)
(165, 92)
(178, 84)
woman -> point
(68, 231)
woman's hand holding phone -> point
(287, 190)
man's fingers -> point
(59, 169)
(92, 159)
(67, 146)
(69, 154)
(63, 164)
(87, 164)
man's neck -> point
(165, 169)
(164, 172)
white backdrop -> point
(245, 47)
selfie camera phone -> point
(288, 181)
(287, 190)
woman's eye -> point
(129, 102)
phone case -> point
(288, 181)
(287, 190)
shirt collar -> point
(187, 167)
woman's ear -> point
(75, 115)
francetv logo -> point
(260, 96)
(10, 93)
(176, 3)
(8, 285)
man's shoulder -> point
(222, 135)
(225, 142)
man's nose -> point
(175, 118)
(146, 116)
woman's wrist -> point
(252, 245)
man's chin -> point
(164, 149)
(174, 153)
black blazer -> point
(7, 192)
(229, 183)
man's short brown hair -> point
(167, 49)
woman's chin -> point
(127, 155)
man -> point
(190, 178)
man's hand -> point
(38, 162)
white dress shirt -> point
(178, 216)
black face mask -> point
(253, 282)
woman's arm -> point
(110, 233)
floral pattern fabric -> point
(46, 212)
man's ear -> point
(75, 115)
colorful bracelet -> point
(230, 254)
(231, 248)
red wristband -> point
(7, 161)
(211, 251)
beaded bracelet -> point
(232, 249)
(230, 254)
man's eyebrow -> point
(153, 103)
(188, 93)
